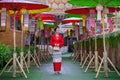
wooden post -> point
(104, 47)
(21, 53)
(14, 54)
(96, 53)
(90, 52)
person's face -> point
(57, 30)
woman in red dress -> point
(57, 42)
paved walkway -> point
(70, 71)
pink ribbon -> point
(111, 26)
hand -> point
(56, 44)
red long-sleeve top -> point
(56, 40)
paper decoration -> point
(85, 34)
(40, 24)
(106, 18)
(22, 18)
(39, 21)
(80, 28)
(32, 25)
(76, 31)
(97, 27)
(3, 17)
(68, 32)
(101, 28)
(92, 13)
(92, 22)
(84, 19)
(46, 32)
(111, 24)
(92, 19)
(87, 23)
(92, 31)
(99, 8)
(26, 20)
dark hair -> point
(56, 28)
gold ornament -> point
(50, 1)
(68, 6)
(54, 6)
(57, 1)
(61, 6)
(64, 1)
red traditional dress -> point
(57, 39)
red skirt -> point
(57, 66)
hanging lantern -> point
(84, 23)
(92, 22)
(26, 20)
(22, 19)
(99, 8)
(92, 19)
(76, 31)
(105, 11)
(39, 19)
(111, 24)
(80, 28)
(92, 31)
(97, 27)
(46, 32)
(23, 11)
(3, 17)
(87, 23)
(84, 19)
(92, 13)
(101, 29)
(116, 20)
(40, 24)
(68, 32)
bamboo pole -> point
(96, 53)
(104, 47)
(14, 54)
(105, 58)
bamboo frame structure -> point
(95, 56)
(85, 55)
(29, 56)
(105, 58)
(14, 59)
